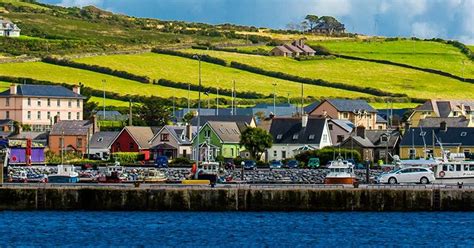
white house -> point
(9, 29)
(292, 136)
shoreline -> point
(252, 198)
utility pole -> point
(302, 99)
(233, 99)
(130, 120)
(189, 104)
(217, 103)
(274, 99)
(199, 110)
(103, 100)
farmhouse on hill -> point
(9, 29)
(294, 49)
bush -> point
(127, 157)
(327, 154)
(319, 57)
(181, 161)
(320, 50)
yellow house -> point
(443, 109)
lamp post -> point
(199, 109)
(189, 104)
(103, 100)
(274, 98)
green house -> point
(217, 138)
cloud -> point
(425, 30)
(80, 3)
(333, 7)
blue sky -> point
(449, 19)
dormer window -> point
(311, 137)
(463, 134)
(183, 137)
(422, 134)
(279, 136)
(455, 113)
(345, 115)
(384, 138)
(295, 136)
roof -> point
(345, 124)
(5, 122)
(29, 135)
(290, 130)
(380, 119)
(443, 108)
(283, 49)
(346, 105)
(141, 135)
(293, 48)
(453, 136)
(232, 118)
(450, 122)
(72, 127)
(228, 132)
(373, 139)
(102, 139)
(176, 132)
(311, 107)
(55, 91)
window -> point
(58, 115)
(283, 154)
(68, 115)
(330, 126)
(100, 139)
(279, 136)
(61, 140)
(28, 115)
(384, 138)
(458, 167)
(325, 138)
(463, 134)
(131, 146)
(412, 153)
(69, 103)
(78, 116)
(48, 115)
(38, 102)
(232, 152)
(275, 153)
(58, 103)
(29, 101)
(7, 101)
(295, 136)
(185, 153)
(345, 115)
(340, 138)
(164, 137)
(7, 114)
(455, 113)
(48, 102)
(78, 103)
(311, 137)
(38, 115)
(79, 143)
(207, 134)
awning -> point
(305, 148)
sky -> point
(448, 19)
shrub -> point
(327, 154)
(127, 157)
(181, 161)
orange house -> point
(72, 136)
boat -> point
(153, 176)
(207, 174)
(454, 170)
(19, 177)
(65, 174)
(340, 172)
(113, 174)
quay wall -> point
(236, 199)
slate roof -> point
(228, 132)
(283, 49)
(311, 107)
(345, 124)
(142, 135)
(452, 136)
(292, 132)
(29, 135)
(232, 118)
(102, 140)
(176, 132)
(71, 127)
(380, 119)
(444, 108)
(373, 139)
(345, 105)
(293, 48)
(54, 91)
(450, 122)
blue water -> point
(234, 229)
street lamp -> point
(274, 98)
(103, 100)
(199, 109)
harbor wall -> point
(234, 199)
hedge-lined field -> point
(108, 102)
(395, 105)
(60, 74)
(426, 54)
(394, 79)
(181, 69)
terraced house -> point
(38, 105)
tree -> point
(304, 25)
(312, 20)
(256, 141)
(188, 117)
(90, 108)
(152, 112)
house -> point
(373, 145)
(133, 139)
(37, 105)
(358, 112)
(100, 143)
(461, 121)
(394, 117)
(72, 136)
(339, 130)
(442, 109)
(39, 139)
(419, 142)
(173, 141)
(294, 49)
(292, 136)
(9, 29)
(380, 123)
(217, 138)
(6, 125)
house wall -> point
(18, 107)
(405, 150)
(416, 116)
(171, 141)
(230, 150)
(277, 52)
(125, 143)
(78, 143)
(336, 131)
(277, 150)
(326, 108)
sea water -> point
(236, 229)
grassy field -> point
(23, 4)
(426, 54)
(108, 102)
(396, 105)
(385, 77)
(59, 74)
(186, 70)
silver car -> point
(407, 175)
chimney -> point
(13, 89)
(95, 127)
(463, 109)
(76, 89)
(56, 119)
(189, 131)
(443, 126)
(304, 121)
(361, 131)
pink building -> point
(37, 105)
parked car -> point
(161, 162)
(276, 164)
(292, 164)
(313, 163)
(407, 175)
(250, 165)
